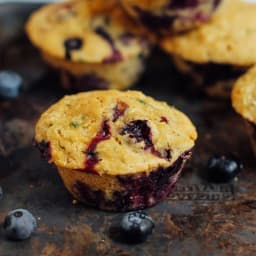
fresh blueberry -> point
(136, 226)
(222, 169)
(19, 225)
(1, 193)
(10, 84)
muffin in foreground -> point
(244, 102)
(93, 45)
(116, 150)
(165, 17)
(218, 52)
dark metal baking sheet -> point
(198, 219)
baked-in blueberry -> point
(222, 169)
(10, 84)
(19, 225)
(116, 54)
(72, 44)
(44, 148)
(140, 131)
(136, 226)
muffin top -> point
(244, 95)
(112, 132)
(86, 31)
(228, 38)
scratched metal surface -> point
(183, 227)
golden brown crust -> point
(228, 38)
(244, 95)
(71, 124)
(49, 27)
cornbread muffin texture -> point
(90, 39)
(217, 53)
(244, 102)
(116, 150)
(244, 95)
(170, 16)
(228, 38)
(139, 133)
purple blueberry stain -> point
(183, 4)
(154, 22)
(164, 21)
(44, 148)
(116, 55)
(126, 38)
(140, 131)
(89, 196)
(72, 44)
(138, 192)
(91, 155)
(164, 119)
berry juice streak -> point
(116, 55)
(91, 156)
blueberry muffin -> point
(171, 16)
(92, 45)
(244, 102)
(116, 150)
(217, 53)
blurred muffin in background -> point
(216, 54)
(165, 17)
(244, 102)
(92, 45)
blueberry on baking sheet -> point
(10, 84)
(136, 226)
(19, 225)
(223, 168)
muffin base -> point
(123, 192)
(89, 76)
(215, 80)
